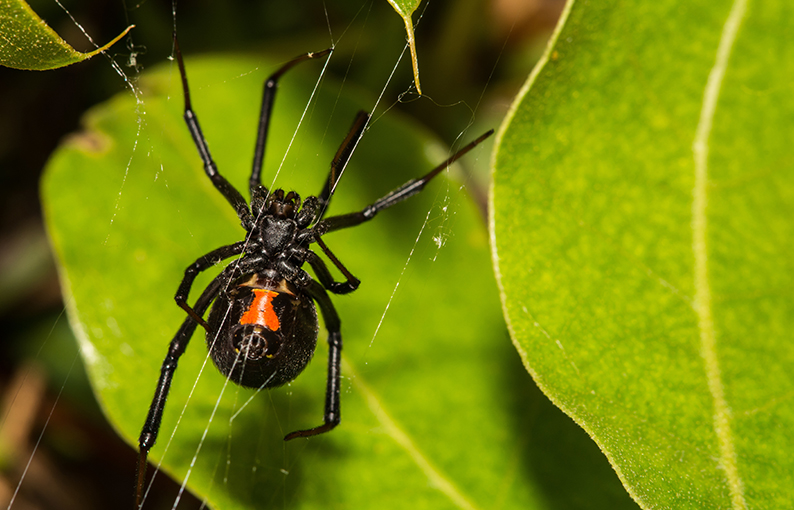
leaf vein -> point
(436, 478)
(703, 299)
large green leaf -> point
(643, 219)
(437, 412)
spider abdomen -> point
(262, 334)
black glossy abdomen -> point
(262, 336)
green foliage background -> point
(659, 322)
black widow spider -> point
(262, 328)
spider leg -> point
(268, 97)
(405, 191)
(332, 412)
(341, 158)
(221, 184)
(176, 348)
(324, 275)
(202, 264)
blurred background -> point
(473, 54)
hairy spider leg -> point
(221, 184)
(202, 264)
(341, 159)
(332, 411)
(175, 349)
(338, 164)
(321, 270)
(268, 98)
(405, 191)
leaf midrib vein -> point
(437, 479)
(703, 299)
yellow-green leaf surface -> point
(27, 42)
(436, 409)
(406, 8)
(643, 229)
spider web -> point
(438, 224)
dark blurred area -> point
(472, 54)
